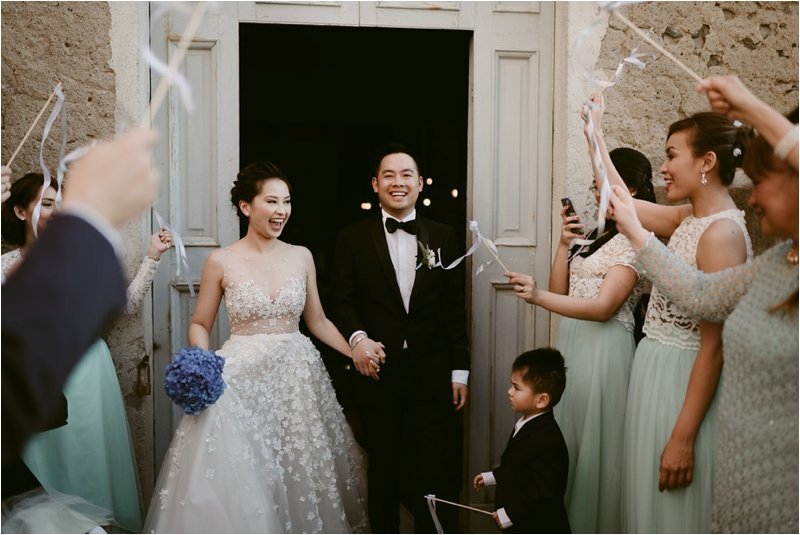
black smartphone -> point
(566, 201)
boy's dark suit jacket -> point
(532, 478)
(408, 414)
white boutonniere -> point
(427, 257)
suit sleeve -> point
(455, 314)
(342, 304)
(56, 303)
(544, 474)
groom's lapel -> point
(382, 249)
(423, 237)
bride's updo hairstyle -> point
(249, 180)
(712, 132)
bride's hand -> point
(368, 356)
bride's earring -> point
(703, 179)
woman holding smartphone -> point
(596, 289)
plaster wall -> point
(755, 40)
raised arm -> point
(706, 296)
(208, 300)
(659, 218)
(137, 289)
(559, 271)
(728, 95)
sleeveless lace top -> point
(263, 298)
(586, 275)
(665, 321)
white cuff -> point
(350, 340)
(460, 376)
(488, 479)
(505, 522)
(787, 143)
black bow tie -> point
(393, 224)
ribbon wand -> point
(33, 124)
(163, 86)
(657, 46)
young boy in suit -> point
(532, 476)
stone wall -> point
(47, 42)
(755, 40)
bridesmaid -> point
(756, 475)
(596, 289)
(669, 422)
(92, 456)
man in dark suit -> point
(415, 380)
(70, 285)
(532, 477)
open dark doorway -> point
(320, 101)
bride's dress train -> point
(274, 454)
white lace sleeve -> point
(621, 253)
(705, 296)
(138, 287)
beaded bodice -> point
(263, 297)
(586, 275)
(665, 321)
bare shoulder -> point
(722, 245)
(723, 232)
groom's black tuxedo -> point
(409, 419)
(532, 478)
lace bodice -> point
(9, 260)
(263, 298)
(666, 321)
(586, 275)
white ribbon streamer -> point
(174, 77)
(477, 240)
(605, 189)
(58, 109)
(431, 499)
(182, 264)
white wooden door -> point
(197, 158)
(509, 182)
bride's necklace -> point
(791, 255)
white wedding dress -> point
(274, 454)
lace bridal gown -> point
(274, 454)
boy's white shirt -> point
(488, 477)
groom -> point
(379, 294)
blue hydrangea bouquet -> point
(193, 379)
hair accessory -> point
(787, 143)
(737, 152)
(737, 123)
(703, 179)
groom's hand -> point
(460, 392)
(368, 355)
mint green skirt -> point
(92, 456)
(657, 390)
(591, 415)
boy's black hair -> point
(544, 370)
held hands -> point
(368, 355)
(677, 465)
(159, 242)
(524, 286)
(477, 483)
(568, 227)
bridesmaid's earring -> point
(703, 179)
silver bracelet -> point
(358, 339)
(787, 143)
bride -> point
(274, 453)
